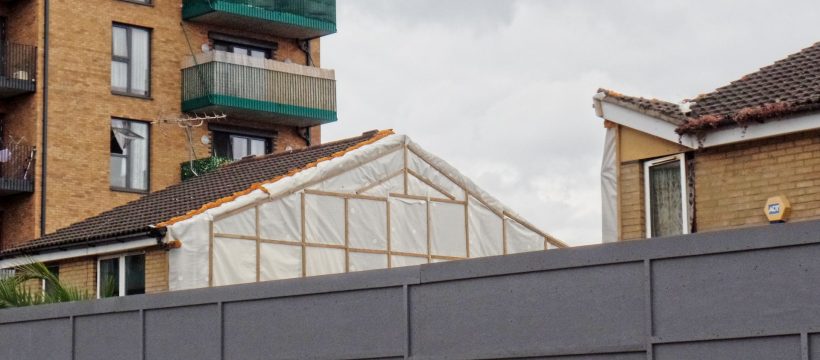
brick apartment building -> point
(712, 162)
(92, 91)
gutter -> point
(44, 150)
(100, 246)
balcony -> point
(261, 90)
(18, 69)
(16, 169)
(297, 19)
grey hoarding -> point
(742, 294)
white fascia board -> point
(764, 130)
(81, 252)
(665, 130)
(645, 123)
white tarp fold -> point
(609, 187)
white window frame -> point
(120, 270)
(681, 159)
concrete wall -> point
(742, 294)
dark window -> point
(243, 49)
(237, 146)
(129, 155)
(48, 286)
(131, 60)
(120, 276)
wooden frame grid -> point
(406, 172)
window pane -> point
(48, 286)
(138, 156)
(120, 43)
(135, 274)
(109, 272)
(665, 199)
(257, 147)
(119, 76)
(240, 50)
(139, 61)
(257, 54)
(239, 146)
(118, 171)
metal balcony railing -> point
(259, 89)
(16, 168)
(292, 18)
(18, 69)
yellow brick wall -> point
(81, 105)
(733, 182)
(633, 224)
(156, 271)
(80, 273)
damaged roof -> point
(787, 87)
(137, 217)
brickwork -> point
(80, 273)
(633, 224)
(156, 271)
(733, 182)
(81, 105)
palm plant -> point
(15, 293)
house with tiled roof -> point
(745, 154)
(373, 201)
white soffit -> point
(85, 251)
(665, 130)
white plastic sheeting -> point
(322, 261)
(408, 225)
(281, 219)
(609, 187)
(486, 230)
(419, 166)
(325, 219)
(367, 261)
(280, 261)
(234, 261)
(448, 235)
(367, 224)
(520, 239)
(357, 217)
(368, 173)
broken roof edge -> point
(383, 143)
(652, 107)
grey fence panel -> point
(356, 324)
(195, 333)
(45, 339)
(769, 348)
(115, 336)
(531, 313)
(744, 294)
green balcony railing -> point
(285, 96)
(301, 19)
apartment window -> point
(48, 286)
(666, 196)
(143, 2)
(121, 275)
(237, 146)
(242, 49)
(129, 155)
(131, 60)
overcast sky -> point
(502, 89)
